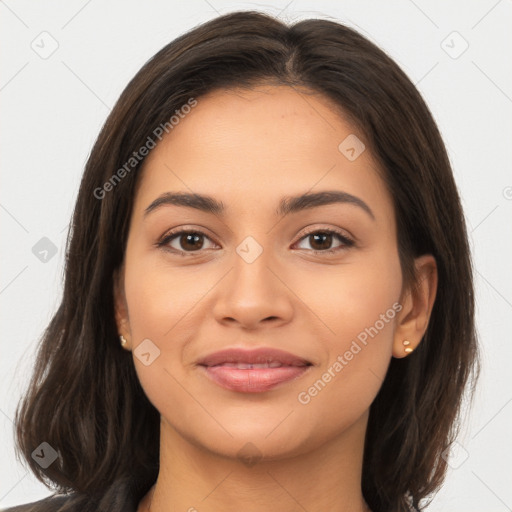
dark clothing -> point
(118, 498)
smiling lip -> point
(253, 371)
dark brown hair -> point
(85, 399)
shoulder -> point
(50, 504)
(123, 495)
(117, 498)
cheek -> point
(158, 303)
(355, 298)
(159, 298)
(360, 311)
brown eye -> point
(185, 241)
(321, 241)
(191, 241)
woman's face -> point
(249, 278)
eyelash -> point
(347, 242)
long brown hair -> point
(85, 399)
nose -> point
(254, 294)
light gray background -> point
(53, 109)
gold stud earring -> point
(407, 349)
(123, 340)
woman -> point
(268, 299)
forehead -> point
(248, 145)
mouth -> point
(253, 371)
(259, 356)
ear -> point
(121, 307)
(417, 302)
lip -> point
(221, 368)
(254, 356)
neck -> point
(193, 478)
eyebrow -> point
(288, 204)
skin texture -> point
(248, 149)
